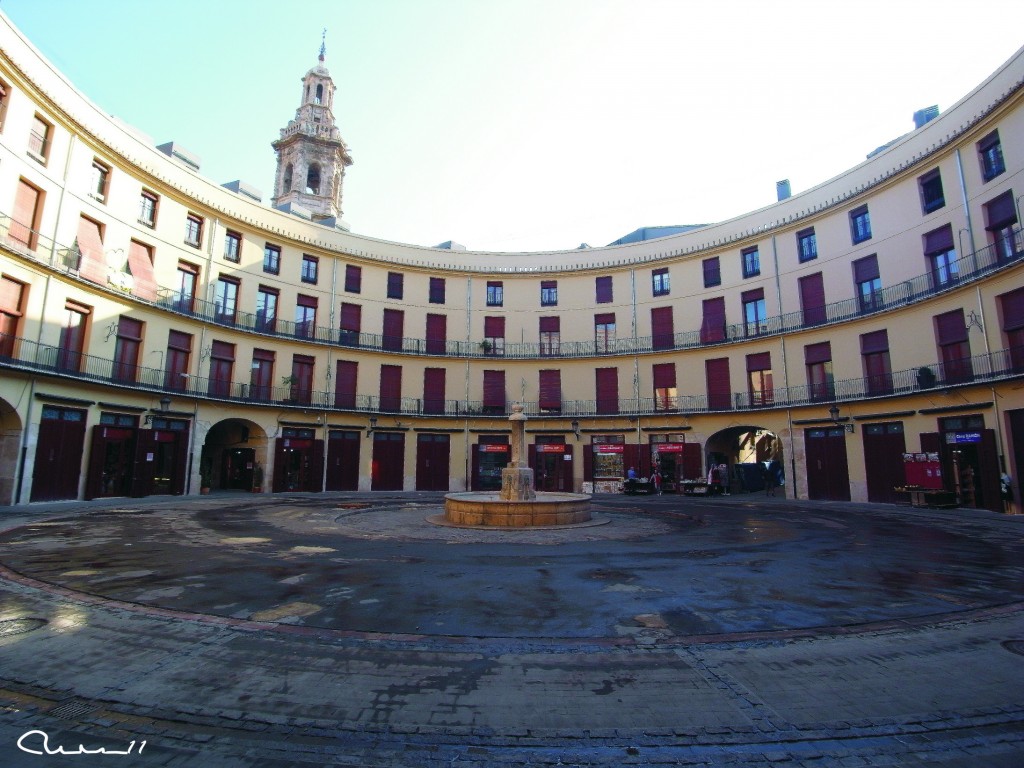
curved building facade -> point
(161, 333)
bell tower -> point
(311, 156)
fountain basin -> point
(490, 510)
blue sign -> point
(966, 437)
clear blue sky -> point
(518, 125)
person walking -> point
(768, 475)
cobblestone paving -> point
(349, 630)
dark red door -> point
(111, 462)
(432, 458)
(59, 448)
(388, 468)
(552, 467)
(298, 464)
(828, 475)
(884, 446)
(343, 460)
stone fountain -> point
(517, 505)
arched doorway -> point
(10, 447)
(748, 452)
(234, 455)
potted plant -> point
(485, 347)
(257, 478)
(925, 377)
(289, 382)
(205, 476)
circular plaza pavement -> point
(347, 629)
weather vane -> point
(323, 44)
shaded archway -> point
(10, 447)
(747, 451)
(234, 455)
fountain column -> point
(517, 480)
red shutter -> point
(395, 285)
(712, 272)
(353, 278)
(712, 327)
(812, 299)
(93, 265)
(604, 290)
(140, 262)
(394, 320)
(818, 353)
(23, 217)
(719, 387)
(494, 389)
(664, 375)
(437, 334)
(1012, 304)
(345, 384)
(1000, 212)
(950, 327)
(607, 385)
(551, 389)
(548, 284)
(662, 328)
(390, 387)
(762, 361)
(549, 325)
(494, 327)
(878, 341)
(433, 390)
(351, 317)
(939, 240)
(865, 269)
(608, 318)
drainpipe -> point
(24, 440)
(785, 368)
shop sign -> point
(669, 448)
(494, 448)
(550, 448)
(963, 437)
(612, 448)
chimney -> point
(782, 189)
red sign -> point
(550, 448)
(669, 447)
(609, 448)
(487, 448)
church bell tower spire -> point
(311, 155)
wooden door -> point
(388, 467)
(432, 462)
(828, 476)
(884, 446)
(343, 461)
(59, 448)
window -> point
(99, 180)
(305, 317)
(92, 263)
(39, 139)
(5, 97)
(663, 335)
(494, 336)
(272, 259)
(550, 400)
(660, 285)
(394, 323)
(812, 299)
(860, 225)
(609, 456)
(302, 379)
(494, 392)
(1011, 311)
(712, 327)
(755, 318)
(550, 335)
(437, 334)
(28, 208)
(665, 392)
(990, 152)
(751, 262)
(606, 385)
(495, 294)
(351, 323)
(140, 267)
(179, 351)
(868, 283)
(12, 304)
(433, 390)
(759, 379)
(941, 257)
(603, 289)
(72, 335)
(954, 347)
(548, 293)
(266, 309)
(818, 360)
(436, 293)
(807, 245)
(396, 285)
(310, 269)
(719, 388)
(353, 278)
(932, 196)
(148, 203)
(193, 230)
(187, 280)
(604, 333)
(232, 246)
(1000, 217)
(261, 380)
(874, 350)
(126, 349)
(345, 384)
(712, 272)
(225, 301)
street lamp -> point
(833, 412)
(576, 428)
